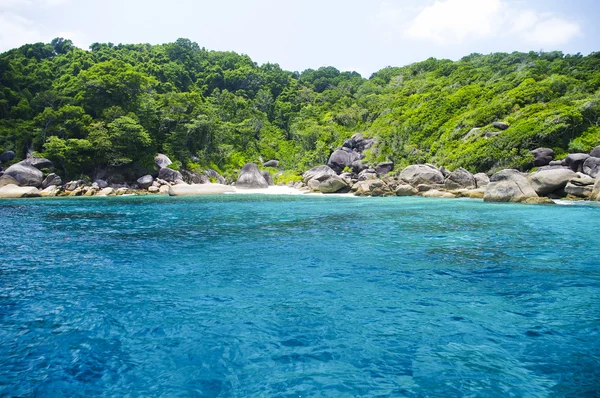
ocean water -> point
(298, 296)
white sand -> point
(274, 190)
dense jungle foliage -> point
(116, 106)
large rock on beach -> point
(170, 175)
(332, 185)
(50, 191)
(547, 181)
(340, 159)
(38, 163)
(145, 182)
(162, 161)
(509, 186)
(51, 179)
(199, 189)
(434, 193)
(194, 178)
(481, 180)
(250, 178)
(595, 152)
(460, 179)
(7, 180)
(12, 191)
(106, 192)
(406, 190)
(542, 156)
(25, 174)
(320, 173)
(268, 178)
(421, 174)
(580, 191)
(591, 166)
(575, 161)
(596, 190)
(7, 156)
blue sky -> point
(298, 34)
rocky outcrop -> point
(162, 161)
(194, 178)
(12, 191)
(51, 179)
(421, 174)
(596, 190)
(406, 190)
(101, 184)
(575, 161)
(73, 185)
(591, 166)
(106, 192)
(7, 156)
(50, 191)
(38, 163)
(7, 180)
(268, 178)
(460, 179)
(342, 158)
(542, 156)
(199, 189)
(481, 180)
(332, 184)
(384, 168)
(320, 173)
(359, 143)
(578, 188)
(271, 163)
(500, 125)
(509, 186)
(145, 182)
(214, 176)
(170, 175)
(373, 187)
(251, 178)
(547, 181)
(434, 193)
(25, 174)
(595, 152)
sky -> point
(360, 35)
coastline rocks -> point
(106, 192)
(332, 185)
(214, 177)
(382, 169)
(373, 187)
(271, 163)
(170, 175)
(575, 161)
(460, 179)
(547, 181)
(501, 125)
(153, 189)
(50, 191)
(508, 186)
(199, 189)
(101, 184)
(434, 193)
(38, 163)
(340, 159)
(406, 190)
(481, 180)
(580, 191)
(250, 178)
(7, 156)
(591, 166)
(51, 179)
(542, 156)
(73, 185)
(358, 142)
(320, 173)
(596, 190)
(26, 175)
(12, 191)
(194, 178)
(595, 152)
(268, 178)
(367, 174)
(162, 161)
(145, 182)
(421, 174)
(7, 180)
(358, 166)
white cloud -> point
(454, 22)
(16, 31)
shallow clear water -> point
(298, 296)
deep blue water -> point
(298, 296)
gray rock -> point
(73, 185)
(474, 132)
(199, 189)
(26, 175)
(7, 180)
(434, 193)
(12, 191)
(320, 173)
(268, 178)
(372, 187)
(367, 174)
(501, 125)
(341, 159)
(582, 180)
(51, 179)
(509, 186)
(38, 163)
(542, 156)
(491, 134)
(251, 178)
(591, 166)
(194, 178)
(406, 190)
(445, 172)
(101, 184)
(596, 190)
(7, 156)
(580, 191)
(214, 176)
(557, 163)
(595, 152)
(547, 181)
(575, 161)
(430, 187)
(384, 168)
(169, 175)
(153, 189)
(145, 182)
(460, 179)
(421, 174)
(332, 185)
(358, 166)
(162, 161)
(50, 191)
(271, 163)
(481, 180)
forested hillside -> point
(116, 106)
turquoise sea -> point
(298, 296)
